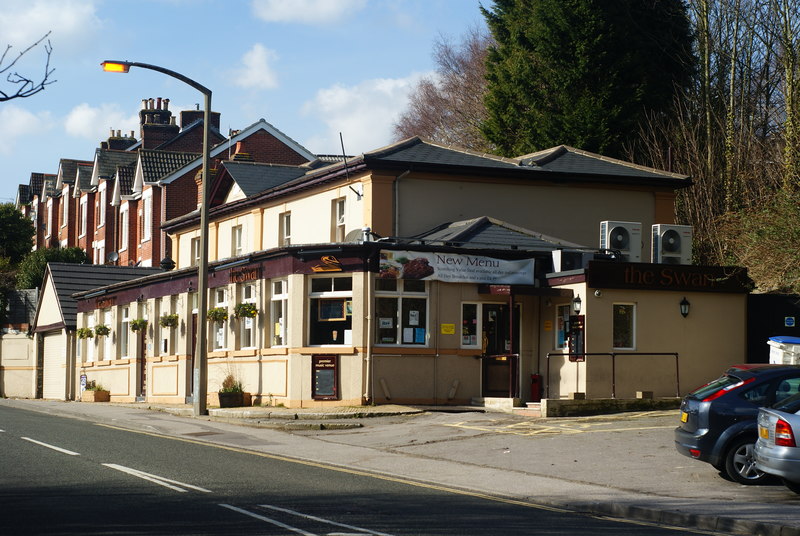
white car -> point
(777, 450)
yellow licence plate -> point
(763, 432)
(684, 416)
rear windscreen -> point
(712, 387)
(789, 405)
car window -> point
(789, 405)
(712, 387)
(758, 395)
(787, 388)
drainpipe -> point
(370, 368)
(397, 201)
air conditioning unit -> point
(564, 260)
(622, 236)
(672, 244)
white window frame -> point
(124, 226)
(101, 220)
(332, 294)
(84, 218)
(194, 253)
(108, 347)
(147, 215)
(90, 343)
(338, 207)
(64, 206)
(279, 309)
(237, 240)
(248, 326)
(219, 333)
(124, 332)
(166, 336)
(49, 225)
(285, 229)
(401, 326)
(632, 325)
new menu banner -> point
(454, 268)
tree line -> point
(707, 88)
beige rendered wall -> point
(425, 203)
(17, 365)
(711, 338)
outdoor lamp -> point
(684, 305)
(576, 305)
(200, 364)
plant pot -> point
(95, 396)
(231, 400)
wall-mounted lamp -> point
(576, 305)
(684, 305)
(597, 293)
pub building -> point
(390, 278)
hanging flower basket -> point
(168, 320)
(84, 333)
(245, 310)
(217, 314)
(138, 324)
(101, 330)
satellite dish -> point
(113, 256)
(620, 238)
(671, 241)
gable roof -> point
(68, 279)
(83, 182)
(153, 165)
(68, 170)
(37, 183)
(106, 162)
(213, 131)
(226, 145)
(487, 232)
(252, 177)
(23, 195)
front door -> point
(500, 336)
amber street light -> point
(200, 356)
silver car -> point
(777, 450)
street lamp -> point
(200, 370)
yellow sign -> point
(548, 325)
(448, 329)
(328, 263)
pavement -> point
(622, 465)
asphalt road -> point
(66, 476)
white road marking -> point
(268, 520)
(160, 480)
(59, 449)
(319, 519)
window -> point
(195, 245)
(278, 311)
(90, 343)
(64, 206)
(123, 228)
(485, 326)
(147, 215)
(624, 326)
(237, 246)
(84, 216)
(108, 348)
(49, 217)
(101, 212)
(285, 229)
(562, 322)
(330, 308)
(337, 220)
(124, 332)
(401, 312)
(166, 335)
(247, 326)
(218, 330)
(100, 252)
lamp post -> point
(200, 371)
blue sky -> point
(312, 68)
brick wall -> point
(266, 148)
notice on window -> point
(419, 335)
(408, 335)
(385, 323)
(413, 318)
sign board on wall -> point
(455, 268)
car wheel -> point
(794, 486)
(740, 464)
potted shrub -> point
(101, 330)
(245, 310)
(84, 333)
(231, 393)
(138, 324)
(95, 393)
(217, 314)
(168, 320)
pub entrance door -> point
(500, 334)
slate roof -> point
(68, 169)
(125, 176)
(21, 306)
(419, 151)
(254, 177)
(157, 164)
(49, 186)
(213, 131)
(69, 279)
(107, 161)
(486, 232)
(23, 195)
(37, 182)
(83, 181)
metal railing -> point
(613, 356)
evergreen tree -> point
(584, 73)
(16, 233)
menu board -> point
(325, 371)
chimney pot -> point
(158, 103)
(151, 103)
(144, 104)
(166, 104)
(133, 134)
(119, 133)
(111, 135)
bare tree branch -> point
(25, 87)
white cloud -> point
(95, 123)
(19, 123)
(306, 11)
(25, 21)
(255, 71)
(364, 114)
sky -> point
(311, 68)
